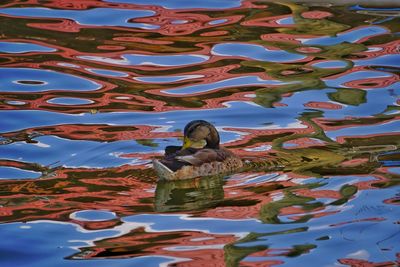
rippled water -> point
(91, 91)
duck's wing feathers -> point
(204, 156)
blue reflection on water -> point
(38, 80)
(166, 79)
(376, 102)
(233, 82)
(93, 215)
(73, 153)
(236, 114)
(358, 7)
(392, 60)
(153, 60)
(15, 173)
(90, 17)
(390, 127)
(16, 47)
(354, 76)
(182, 4)
(56, 250)
(256, 52)
(351, 36)
(69, 101)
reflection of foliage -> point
(234, 253)
(352, 97)
(347, 191)
(135, 243)
(339, 51)
(269, 213)
(298, 250)
(311, 26)
(146, 142)
(297, 77)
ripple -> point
(233, 82)
(183, 4)
(69, 238)
(255, 52)
(108, 73)
(150, 60)
(235, 114)
(73, 153)
(91, 17)
(26, 80)
(354, 76)
(69, 101)
(391, 60)
(16, 173)
(17, 48)
(93, 215)
(351, 36)
(218, 21)
(330, 64)
(15, 102)
(366, 130)
(166, 79)
(107, 85)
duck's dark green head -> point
(200, 134)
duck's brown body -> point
(204, 162)
(201, 155)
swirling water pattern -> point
(92, 91)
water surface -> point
(92, 91)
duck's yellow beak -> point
(193, 144)
(186, 143)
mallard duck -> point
(200, 155)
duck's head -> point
(200, 134)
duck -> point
(200, 155)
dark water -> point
(91, 91)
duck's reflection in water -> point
(186, 195)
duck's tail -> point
(163, 171)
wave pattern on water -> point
(92, 91)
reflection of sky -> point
(377, 101)
(183, 4)
(90, 17)
(15, 47)
(256, 52)
(358, 7)
(50, 80)
(69, 101)
(166, 79)
(15, 173)
(390, 127)
(391, 60)
(48, 251)
(236, 114)
(354, 76)
(233, 82)
(73, 153)
(350, 36)
(92, 215)
(153, 60)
